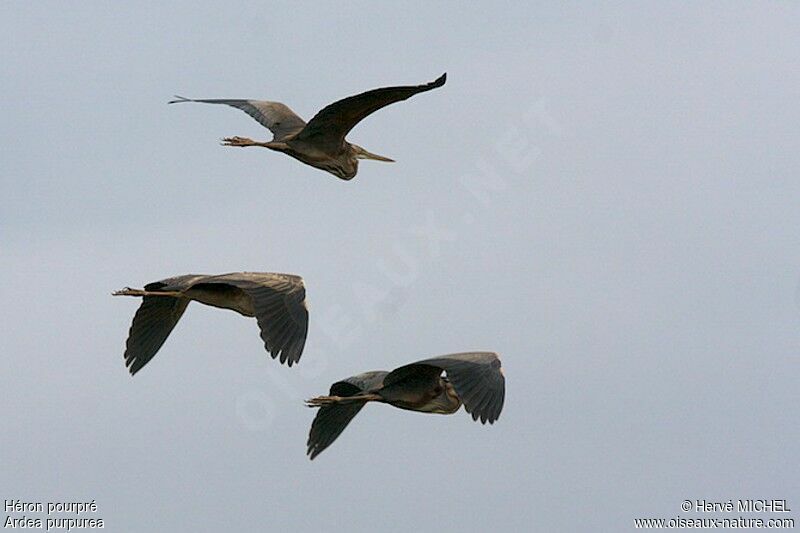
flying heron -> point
(277, 301)
(320, 143)
(474, 379)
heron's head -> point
(444, 403)
(360, 153)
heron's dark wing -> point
(280, 310)
(332, 419)
(275, 116)
(476, 376)
(329, 127)
(152, 324)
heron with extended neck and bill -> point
(321, 142)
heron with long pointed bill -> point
(320, 142)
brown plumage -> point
(320, 143)
(474, 379)
(277, 301)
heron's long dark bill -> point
(363, 154)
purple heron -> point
(277, 301)
(320, 143)
(473, 379)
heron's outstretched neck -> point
(127, 291)
(320, 401)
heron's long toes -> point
(236, 141)
(122, 292)
(319, 401)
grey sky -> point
(634, 259)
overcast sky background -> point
(607, 197)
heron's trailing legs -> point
(241, 142)
(321, 401)
(127, 291)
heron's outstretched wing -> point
(275, 116)
(332, 419)
(476, 376)
(329, 127)
(280, 310)
(152, 324)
